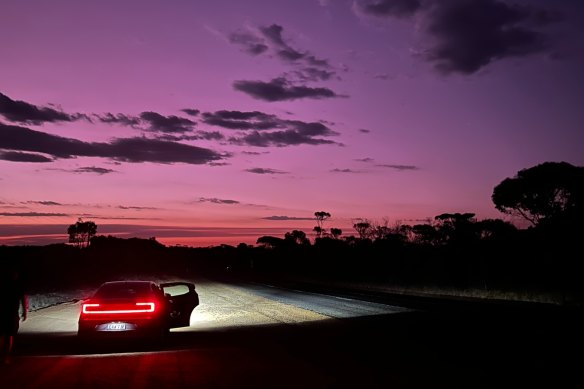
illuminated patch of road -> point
(226, 306)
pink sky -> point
(387, 109)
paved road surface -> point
(266, 337)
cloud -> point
(279, 89)
(16, 156)
(32, 214)
(93, 169)
(47, 202)
(120, 118)
(26, 113)
(167, 124)
(466, 36)
(293, 132)
(190, 111)
(135, 208)
(398, 8)
(260, 170)
(471, 35)
(16, 138)
(345, 171)
(366, 160)
(250, 43)
(256, 42)
(215, 200)
(238, 120)
(399, 167)
(364, 130)
(198, 135)
(279, 218)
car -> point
(128, 308)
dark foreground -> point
(466, 346)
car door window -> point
(176, 290)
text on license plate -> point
(116, 327)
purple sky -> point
(206, 122)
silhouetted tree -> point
(297, 237)
(336, 233)
(81, 232)
(268, 241)
(320, 216)
(363, 228)
(456, 228)
(544, 192)
(425, 234)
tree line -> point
(450, 250)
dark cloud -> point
(250, 43)
(253, 152)
(198, 135)
(366, 160)
(26, 113)
(32, 214)
(16, 156)
(279, 89)
(399, 8)
(238, 120)
(465, 36)
(260, 170)
(93, 169)
(278, 218)
(274, 34)
(470, 35)
(399, 167)
(313, 74)
(314, 68)
(345, 171)
(382, 76)
(215, 200)
(167, 124)
(135, 208)
(191, 111)
(48, 203)
(364, 130)
(279, 139)
(16, 138)
(120, 118)
(294, 131)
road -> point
(264, 337)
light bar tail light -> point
(147, 307)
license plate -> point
(116, 327)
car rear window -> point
(123, 290)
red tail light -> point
(94, 308)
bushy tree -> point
(81, 232)
(549, 191)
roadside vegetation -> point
(452, 254)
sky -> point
(213, 121)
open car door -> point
(182, 298)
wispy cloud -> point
(280, 89)
(26, 113)
(22, 139)
(33, 214)
(280, 218)
(93, 169)
(17, 156)
(399, 167)
(260, 170)
(346, 171)
(43, 202)
(215, 200)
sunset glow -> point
(208, 122)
